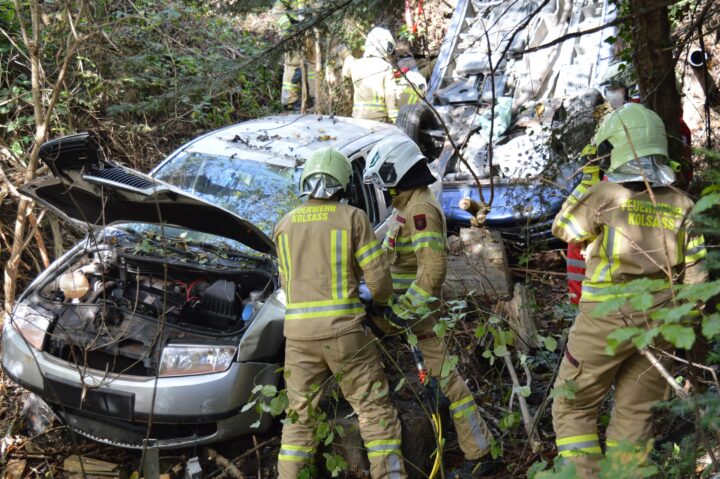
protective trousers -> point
(473, 434)
(292, 78)
(638, 386)
(355, 361)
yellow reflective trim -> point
(382, 442)
(344, 264)
(334, 264)
(366, 248)
(326, 313)
(570, 224)
(323, 302)
(284, 253)
(389, 452)
(573, 439)
(292, 447)
(372, 257)
(460, 402)
(699, 255)
(580, 452)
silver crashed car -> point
(170, 308)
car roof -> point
(288, 140)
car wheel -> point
(419, 122)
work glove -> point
(393, 319)
(396, 314)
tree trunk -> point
(655, 67)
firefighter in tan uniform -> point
(415, 244)
(290, 13)
(630, 236)
(323, 248)
(374, 86)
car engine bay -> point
(116, 307)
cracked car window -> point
(259, 192)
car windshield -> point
(256, 191)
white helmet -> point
(390, 159)
(379, 43)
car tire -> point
(421, 124)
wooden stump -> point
(477, 262)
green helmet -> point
(326, 172)
(645, 135)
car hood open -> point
(99, 193)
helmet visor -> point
(383, 178)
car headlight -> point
(31, 324)
(186, 359)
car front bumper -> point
(116, 409)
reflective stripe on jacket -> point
(324, 248)
(374, 89)
(416, 247)
(630, 237)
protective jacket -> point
(288, 12)
(374, 95)
(324, 247)
(630, 238)
(576, 251)
(415, 243)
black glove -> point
(393, 319)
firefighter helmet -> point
(379, 43)
(390, 159)
(635, 138)
(326, 172)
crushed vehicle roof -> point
(287, 140)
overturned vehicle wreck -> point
(517, 105)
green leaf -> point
(449, 365)
(699, 292)
(608, 306)
(642, 302)
(619, 336)
(255, 425)
(644, 340)
(279, 403)
(440, 329)
(524, 391)
(400, 384)
(550, 343)
(706, 202)
(566, 390)
(412, 339)
(672, 315)
(269, 390)
(248, 406)
(711, 325)
(681, 336)
(500, 351)
(535, 468)
(479, 331)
